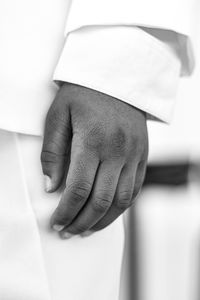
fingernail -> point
(58, 227)
(66, 235)
(87, 233)
(47, 183)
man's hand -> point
(101, 143)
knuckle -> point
(102, 202)
(108, 181)
(140, 145)
(49, 157)
(117, 143)
(80, 191)
(123, 200)
(95, 136)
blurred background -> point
(162, 252)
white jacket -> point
(104, 49)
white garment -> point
(168, 219)
(176, 15)
(35, 263)
(132, 65)
(32, 36)
(168, 230)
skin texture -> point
(97, 145)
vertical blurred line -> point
(133, 255)
(197, 276)
(129, 274)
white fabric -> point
(174, 15)
(32, 37)
(168, 219)
(124, 62)
(168, 230)
(35, 263)
(181, 139)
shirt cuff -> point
(124, 62)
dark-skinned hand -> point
(97, 145)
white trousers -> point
(35, 264)
(168, 242)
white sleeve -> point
(106, 52)
(175, 15)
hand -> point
(102, 145)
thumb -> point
(56, 146)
